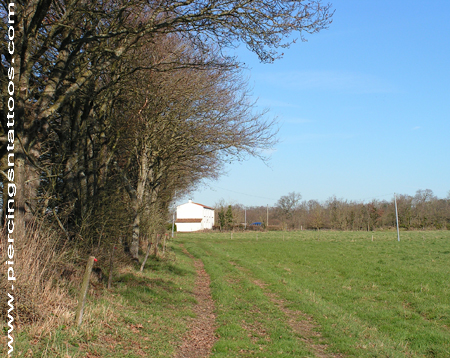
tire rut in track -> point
(302, 324)
(198, 341)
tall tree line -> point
(121, 105)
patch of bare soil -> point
(198, 341)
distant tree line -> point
(419, 212)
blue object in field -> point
(257, 223)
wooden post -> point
(146, 256)
(164, 242)
(396, 217)
(84, 288)
(156, 244)
(111, 264)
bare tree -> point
(188, 117)
(288, 204)
(316, 215)
(64, 49)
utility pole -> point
(267, 221)
(396, 217)
(245, 217)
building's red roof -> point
(207, 207)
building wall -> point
(188, 227)
(192, 210)
(208, 218)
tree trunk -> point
(26, 180)
(134, 248)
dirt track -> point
(200, 338)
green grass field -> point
(293, 294)
(364, 298)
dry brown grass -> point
(40, 301)
(48, 274)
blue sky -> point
(363, 109)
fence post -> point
(146, 255)
(164, 243)
(157, 239)
(84, 288)
(111, 264)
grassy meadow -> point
(291, 294)
(365, 294)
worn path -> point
(302, 324)
(198, 341)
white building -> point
(194, 217)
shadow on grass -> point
(159, 284)
(157, 265)
(130, 280)
(150, 290)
